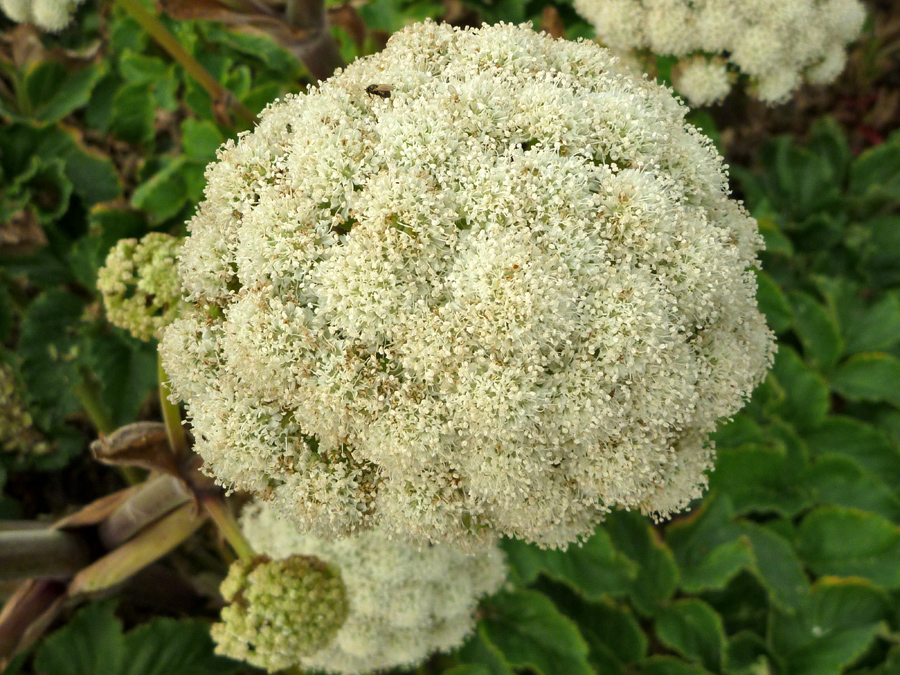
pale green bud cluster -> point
(16, 431)
(280, 611)
(50, 15)
(140, 284)
(405, 603)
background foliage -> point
(788, 566)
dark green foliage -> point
(93, 643)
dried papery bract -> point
(49, 15)
(404, 603)
(505, 298)
(775, 43)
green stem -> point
(171, 414)
(88, 393)
(221, 515)
(168, 42)
(41, 553)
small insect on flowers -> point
(380, 90)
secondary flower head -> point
(140, 284)
(50, 15)
(280, 611)
(405, 604)
(504, 290)
(775, 43)
(17, 435)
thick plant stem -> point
(88, 393)
(168, 42)
(221, 515)
(171, 414)
(41, 553)
(319, 52)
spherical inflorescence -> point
(776, 43)
(280, 611)
(50, 15)
(140, 284)
(505, 293)
(404, 603)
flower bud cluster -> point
(482, 282)
(280, 611)
(775, 43)
(405, 604)
(140, 284)
(50, 15)
(17, 435)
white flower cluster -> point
(50, 15)
(503, 291)
(776, 43)
(405, 604)
(140, 285)
(280, 610)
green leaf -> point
(530, 632)
(847, 542)
(806, 393)
(169, 647)
(125, 367)
(90, 644)
(48, 347)
(836, 624)
(594, 568)
(881, 253)
(612, 632)
(693, 629)
(468, 669)
(776, 565)
(869, 377)
(164, 194)
(817, 330)
(668, 665)
(863, 443)
(93, 175)
(875, 328)
(54, 92)
(478, 650)
(657, 575)
(760, 478)
(875, 176)
(841, 481)
(154, 74)
(133, 114)
(201, 139)
(773, 303)
(747, 654)
(708, 547)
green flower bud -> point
(140, 284)
(280, 611)
(16, 431)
